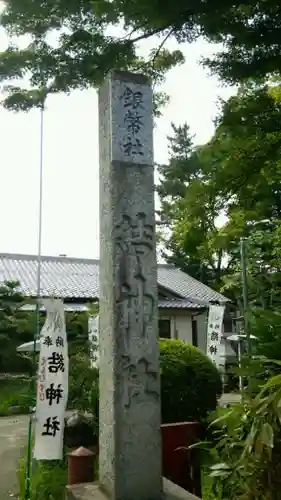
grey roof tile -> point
(186, 286)
(79, 278)
(162, 304)
(178, 304)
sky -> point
(70, 221)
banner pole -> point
(27, 495)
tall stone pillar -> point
(130, 439)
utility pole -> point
(245, 294)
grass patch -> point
(207, 493)
(15, 396)
(49, 479)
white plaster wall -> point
(202, 331)
(183, 328)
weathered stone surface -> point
(91, 491)
(130, 439)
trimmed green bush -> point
(190, 382)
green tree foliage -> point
(237, 175)
(71, 45)
(91, 37)
(16, 327)
(246, 152)
(188, 211)
(77, 330)
(266, 324)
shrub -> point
(82, 428)
(16, 396)
(245, 449)
(83, 384)
(13, 362)
(190, 382)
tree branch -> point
(161, 45)
(149, 34)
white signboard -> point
(214, 333)
(93, 328)
(52, 386)
(132, 122)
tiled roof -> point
(185, 286)
(162, 304)
(79, 278)
(178, 304)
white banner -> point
(52, 386)
(214, 333)
(93, 329)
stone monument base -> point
(91, 491)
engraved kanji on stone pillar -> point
(134, 239)
(130, 439)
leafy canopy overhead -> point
(90, 37)
(70, 46)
